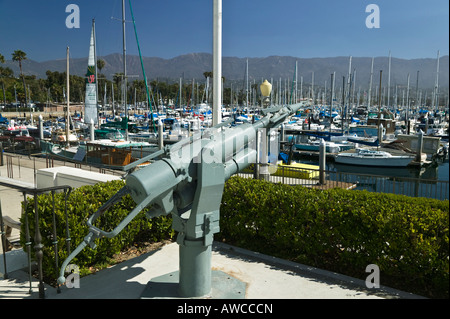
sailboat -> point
(90, 104)
(114, 152)
(369, 157)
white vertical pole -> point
(92, 130)
(246, 87)
(68, 98)
(217, 62)
(436, 88)
(407, 100)
(296, 85)
(389, 82)
(180, 101)
(370, 87)
(124, 83)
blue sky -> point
(168, 28)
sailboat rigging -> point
(142, 67)
(90, 104)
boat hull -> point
(316, 148)
(400, 161)
(295, 170)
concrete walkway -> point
(263, 277)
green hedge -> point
(82, 203)
(343, 231)
(339, 230)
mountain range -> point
(192, 66)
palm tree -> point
(4, 73)
(100, 64)
(19, 56)
(208, 74)
(117, 79)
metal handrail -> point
(413, 187)
(48, 160)
(37, 235)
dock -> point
(310, 183)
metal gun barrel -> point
(170, 183)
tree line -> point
(26, 89)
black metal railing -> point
(36, 161)
(287, 175)
(38, 246)
(413, 187)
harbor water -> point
(428, 181)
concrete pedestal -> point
(223, 286)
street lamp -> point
(266, 89)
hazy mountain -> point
(194, 65)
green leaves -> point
(342, 231)
(81, 204)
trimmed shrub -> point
(343, 231)
(81, 204)
(338, 230)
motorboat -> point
(331, 147)
(368, 157)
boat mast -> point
(348, 90)
(124, 69)
(112, 100)
(370, 88)
(389, 82)
(68, 98)
(246, 89)
(379, 100)
(417, 93)
(436, 87)
(331, 98)
(407, 100)
(380, 131)
(180, 103)
(296, 81)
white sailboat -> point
(368, 157)
(113, 152)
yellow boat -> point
(296, 170)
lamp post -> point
(217, 62)
(266, 89)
